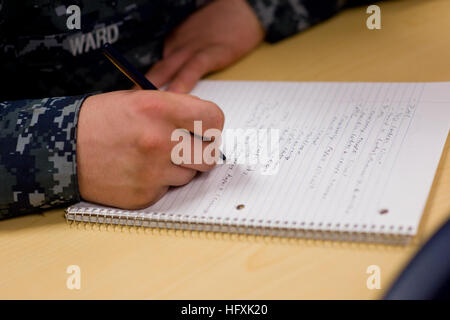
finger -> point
(178, 176)
(163, 71)
(180, 38)
(182, 110)
(175, 43)
(201, 63)
(199, 117)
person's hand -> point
(210, 39)
(124, 145)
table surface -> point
(36, 250)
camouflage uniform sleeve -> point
(38, 168)
(283, 18)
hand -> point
(124, 145)
(210, 39)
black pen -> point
(131, 72)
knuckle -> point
(138, 100)
(137, 104)
(157, 109)
(148, 103)
(150, 141)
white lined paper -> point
(347, 151)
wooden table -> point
(413, 45)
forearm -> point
(38, 167)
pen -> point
(132, 73)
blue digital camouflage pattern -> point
(282, 18)
(40, 57)
(38, 158)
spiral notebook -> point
(352, 161)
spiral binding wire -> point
(261, 228)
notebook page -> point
(351, 156)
